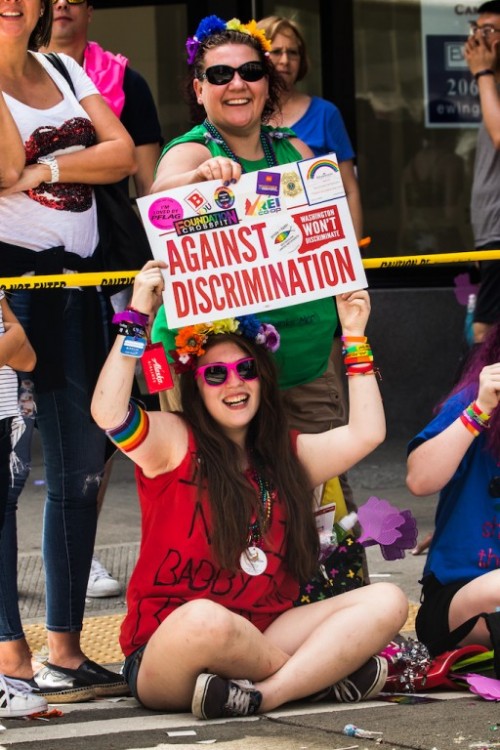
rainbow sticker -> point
(281, 237)
(322, 164)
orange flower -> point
(190, 340)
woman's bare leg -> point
(305, 650)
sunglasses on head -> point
(70, 2)
(250, 72)
(218, 372)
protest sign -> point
(275, 238)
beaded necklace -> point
(266, 144)
(266, 495)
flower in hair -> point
(249, 326)
(182, 362)
(190, 341)
(209, 26)
(214, 25)
(192, 44)
(252, 29)
(269, 337)
(227, 325)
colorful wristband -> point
(133, 431)
(131, 316)
(479, 414)
(469, 424)
(132, 329)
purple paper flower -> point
(487, 687)
(395, 530)
(192, 44)
(269, 337)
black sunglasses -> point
(218, 372)
(250, 72)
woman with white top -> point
(55, 145)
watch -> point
(51, 161)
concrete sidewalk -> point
(444, 721)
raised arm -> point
(433, 463)
(481, 56)
(331, 453)
(160, 438)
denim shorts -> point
(131, 670)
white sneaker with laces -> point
(18, 699)
(101, 582)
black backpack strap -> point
(451, 641)
(493, 624)
(58, 64)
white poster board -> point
(275, 238)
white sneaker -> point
(101, 583)
(18, 699)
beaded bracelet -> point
(474, 419)
(132, 329)
(133, 430)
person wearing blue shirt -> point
(315, 121)
(458, 455)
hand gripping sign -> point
(277, 237)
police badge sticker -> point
(291, 184)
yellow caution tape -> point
(406, 261)
(68, 280)
(119, 278)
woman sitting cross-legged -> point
(228, 530)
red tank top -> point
(176, 564)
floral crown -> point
(211, 25)
(191, 339)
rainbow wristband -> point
(474, 419)
(133, 430)
(469, 424)
(481, 415)
(354, 339)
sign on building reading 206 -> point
(277, 237)
(450, 91)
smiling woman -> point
(56, 144)
(228, 528)
(233, 138)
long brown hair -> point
(40, 36)
(232, 498)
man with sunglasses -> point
(482, 55)
(129, 96)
